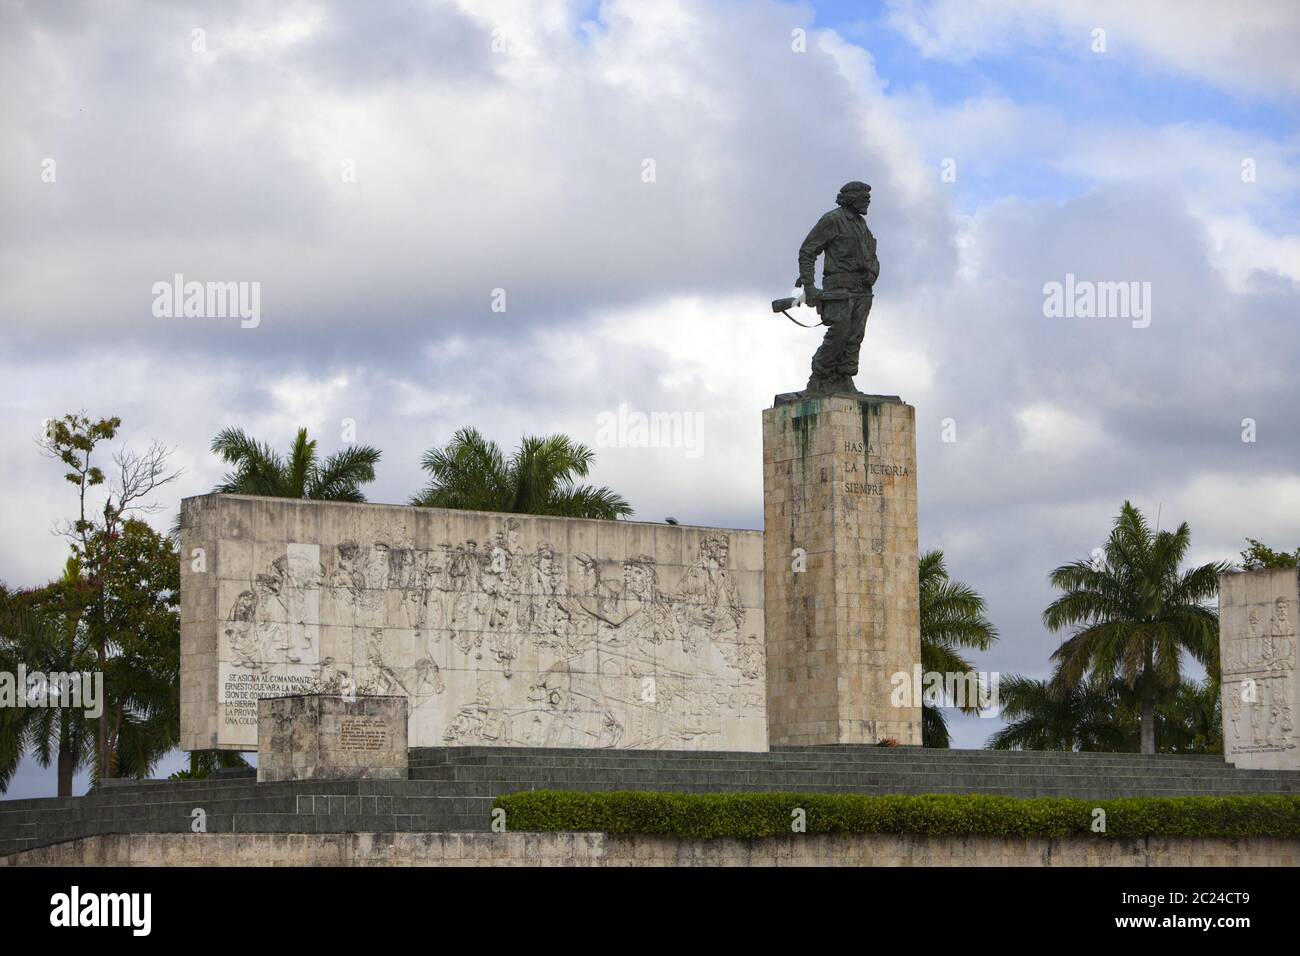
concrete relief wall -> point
(1258, 660)
(509, 630)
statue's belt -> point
(845, 285)
(838, 295)
(838, 287)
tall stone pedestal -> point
(1259, 656)
(840, 569)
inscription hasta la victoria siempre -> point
(870, 468)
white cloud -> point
(1052, 431)
(1244, 46)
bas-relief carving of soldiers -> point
(413, 573)
(242, 634)
(513, 596)
(1282, 626)
(630, 616)
(467, 602)
(506, 560)
(599, 602)
(374, 676)
(347, 571)
(710, 595)
(1278, 646)
(548, 617)
(849, 274)
(274, 622)
(498, 604)
(479, 719)
(363, 573)
(301, 576)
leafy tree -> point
(96, 532)
(259, 470)
(1260, 556)
(1135, 614)
(471, 473)
(142, 675)
(952, 618)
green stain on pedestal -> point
(805, 424)
(867, 409)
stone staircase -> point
(452, 789)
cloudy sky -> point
(632, 180)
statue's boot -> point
(818, 386)
(845, 384)
(829, 385)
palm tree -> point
(952, 617)
(14, 721)
(472, 474)
(1192, 722)
(260, 471)
(1135, 614)
(1050, 715)
(42, 629)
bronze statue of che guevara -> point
(848, 274)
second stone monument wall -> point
(1259, 656)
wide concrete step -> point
(835, 751)
(430, 770)
(1111, 786)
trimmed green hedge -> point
(748, 815)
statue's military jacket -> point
(851, 265)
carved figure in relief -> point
(241, 632)
(548, 618)
(1278, 646)
(468, 601)
(477, 720)
(711, 596)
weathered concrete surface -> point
(841, 555)
(599, 849)
(322, 737)
(499, 629)
(1258, 659)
